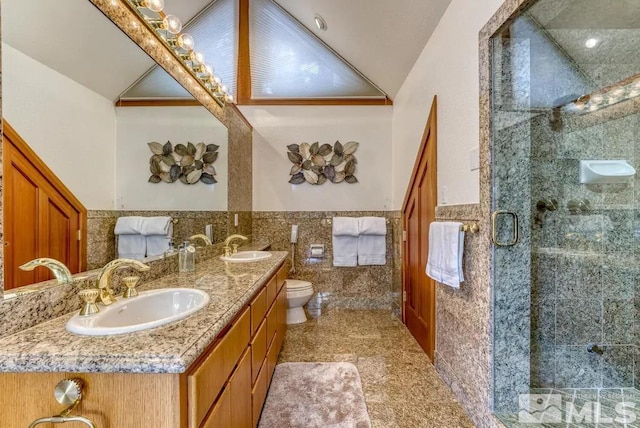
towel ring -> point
(67, 392)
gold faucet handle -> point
(89, 297)
(234, 248)
(130, 282)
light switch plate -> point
(474, 157)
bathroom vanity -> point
(212, 369)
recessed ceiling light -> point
(591, 43)
(321, 24)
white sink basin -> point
(150, 309)
(247, 256)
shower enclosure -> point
(565, 151)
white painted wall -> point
(70, 127)
(277, 127)
(140, 125)
(448, 67)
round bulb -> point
(199, 57)
(154, 5)
(185, 41)
(591, 43)
(172, 24)
(217, 80)
(208, 69)
(228, 98)
(223, 88)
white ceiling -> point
(75, 39)
(383, 41)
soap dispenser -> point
(186, 257)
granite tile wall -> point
(584, 259)
(100, 226)
(361, 287)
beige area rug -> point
(320, 395)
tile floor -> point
(582, 408)
(401, 387)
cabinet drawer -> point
(281, 276)
(272, 358)
(259, 393)
(272, 291)
(220, 416)
(258, 350)
(258, 310)
(207, 380)
(272, 323)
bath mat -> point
(315, 395)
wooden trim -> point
(319, 102)
(244, 55)
(432, 126)
(158, 103)
(21, 145)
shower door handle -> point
(494, 230)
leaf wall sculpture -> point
(189, 164)
(317, 164)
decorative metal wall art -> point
(317, 164)
(188, 163)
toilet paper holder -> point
(67, 392)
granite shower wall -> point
(362, 287)
(584, 261)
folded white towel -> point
(158, 244)
(372, 245)
(131, 246)
(446, 246)
(129, 226)
(345, 241)
(156, 226)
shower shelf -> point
(605, 171)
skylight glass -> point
(289, 61)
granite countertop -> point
(49, 347)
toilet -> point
(298, 294)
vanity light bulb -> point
(208, 69)
(217, 80)
(196, 57)
(172, 24)
(154, 5)
(224, 88)
(185, 41)
(228, 98)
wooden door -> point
(42, 218)
(418, 212)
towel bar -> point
(471, 227)
(329, 221)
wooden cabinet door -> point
(42, 218)
(240, 389)
(220, 416)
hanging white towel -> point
(132, 247)
(129, 226)
(156, 226)
(446, 247)
(158, 244)
(131, 244)
(372, 245)
(345, 241)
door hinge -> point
(404, 295)
(404, 236)
(79, 234)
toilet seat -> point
(297, 285)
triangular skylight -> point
(215, 31)
(289, 61)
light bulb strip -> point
(611, 95)
(198, 69)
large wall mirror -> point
(84, 101)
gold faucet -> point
(205, 238)
(228, 250)
(104, 278)
(60, 271)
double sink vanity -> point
(190, 350)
